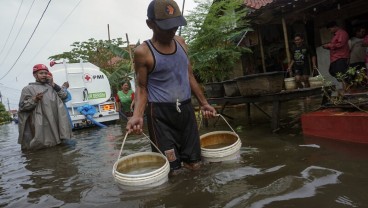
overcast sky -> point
(64, 22)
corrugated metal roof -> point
(256, 4)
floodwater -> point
(274, 170)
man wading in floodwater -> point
(43, 119)
(165, 80)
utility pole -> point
(108, 31)
(8, 104)
(1, 98)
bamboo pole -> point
(261, 49)
(130, 52)
(182, 13)
(286, 38)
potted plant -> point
(355, 88)
(213, 31)
(354, 80)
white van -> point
(88, 86)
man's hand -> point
(135, 124)
(208, 111)
(50, 80)
(314, 70)
(65, 85)
(38, 97)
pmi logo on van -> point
(98, 76)
(89, 78)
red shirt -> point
(339, 46)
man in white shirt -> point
(357, 50)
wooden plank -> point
(275, 98)
(281, 96)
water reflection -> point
(51, 176)
(53, 173)
(357, 151)
(273, 170)
(11, 165)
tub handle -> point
(122, 145)
(145, 136)
(226, 122)
(217, 115)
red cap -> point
(39, 67)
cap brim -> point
(168, 24)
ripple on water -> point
(346, 201)
(288, 187)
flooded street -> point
(274, 170)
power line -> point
(16, 37)
(27, 41)
(47, 42)
(10, 88)
(11, 99)
(10, 102)
(11, 30)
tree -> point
(213, 31)
(113, 59)
(4, 115)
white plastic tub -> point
(290, 83)
(218, 146)
(141, 170)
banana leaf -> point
(122, 53)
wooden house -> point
(275, 23)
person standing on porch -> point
(165, 81)
(299, 65)
(339, 50)
(365, 44)
(357, 49)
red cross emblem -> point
(87, 78)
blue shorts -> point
(174, 133)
